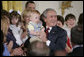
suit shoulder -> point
(60, 29)
(77, 52)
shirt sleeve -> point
(48, 42)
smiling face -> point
(70, 23)
(35, 18)
(51, 19)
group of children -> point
(68, 23)
(22, 27)
(28, 25)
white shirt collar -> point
(50, 28)
(77, 46)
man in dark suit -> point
(77, 38)
(56, 36)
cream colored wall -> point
(42, 5)
(76, 10)
(47, 4)
(24, 2)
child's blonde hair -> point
(25, 13)
(35, 12)
(4, 24)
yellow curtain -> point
(4, 4)
(15, 5)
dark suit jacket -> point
(77, 52)
(58, 38)
(10, 37)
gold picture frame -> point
(65, 5)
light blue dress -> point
(6, 52)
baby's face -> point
(35, 18)
(71, 23)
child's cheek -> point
(16, 21)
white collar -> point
(50, 28)
(14, 27)
(16, 32)
(77, 46)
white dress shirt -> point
(48, 41)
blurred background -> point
(61, 7)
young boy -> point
(35, 25)
(70, 21)
(60, 21)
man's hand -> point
(43, 36)
(17, 52)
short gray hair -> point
(46, 11)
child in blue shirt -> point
(35, 25)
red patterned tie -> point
(47, 31)
(68, 42)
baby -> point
(35, 25)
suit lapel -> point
(53, 34)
